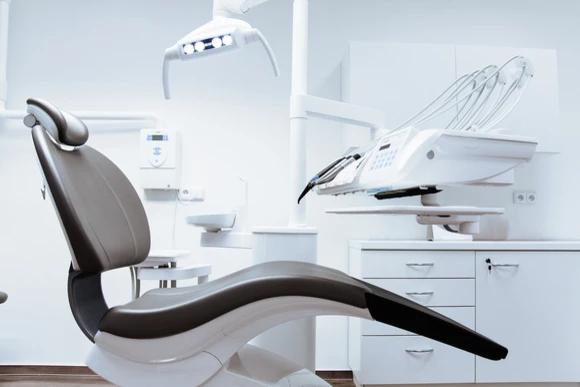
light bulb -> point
(188, 49)
(217, 42)
(227, 40)
(199, 46)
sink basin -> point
(213, 222)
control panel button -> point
(157, 156)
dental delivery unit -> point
(408, 161)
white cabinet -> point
(418, 264)
(431, 292)
(414, 360)
(464, 316)
(529, 303)
(441, 280)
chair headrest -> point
(64, 127)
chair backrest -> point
(100, 212)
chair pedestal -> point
(294, 340)
(249, 367)
(253, 366)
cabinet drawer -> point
(418, 264)
(393, 360)
(432, 292)
(463, 315)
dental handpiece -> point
(338, 168)
(334, 168)
(312, 183)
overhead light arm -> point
(171, 54)
(255, 35)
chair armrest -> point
(173, 274)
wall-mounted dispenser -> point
(160, 159)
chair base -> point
(254, 367)
(249, 367)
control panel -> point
(385, 155)
(384, 158)
(157, 148)
(376, 167)
(160, 159)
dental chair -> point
(196, 336)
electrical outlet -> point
(191, 194)
(525, 197)
(520, 197)
(531, 197)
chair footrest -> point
(173, 274)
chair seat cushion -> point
(166, 312)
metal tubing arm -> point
(146, 119)
(304, 106)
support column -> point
(4, 17)
(298, 124)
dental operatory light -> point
(227, 40)
(216, 42)
(188, 49)
(199, 46)
(219, 36)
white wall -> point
(233, 115)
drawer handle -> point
(420, 293)
(419, 350)
(505, 264)
(410, 264)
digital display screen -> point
(157, 137)
(386, 146)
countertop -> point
(462, 245)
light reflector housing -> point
(221, 35)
